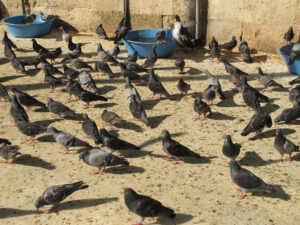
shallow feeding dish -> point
(143, 40)
(285, 51)
(36, 29)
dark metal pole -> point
(23, 6)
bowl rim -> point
(25, 25)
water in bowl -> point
(149, 40)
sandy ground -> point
(200, 192)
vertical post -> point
(23, 6)
(197, 19)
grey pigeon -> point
(38, 48)
(111, 117)
(65, 35)
(26, 99)
(132, 75)
(229, 45)
(66, 140)
(182, 86)
(101, 159)
(230, 149)
(55, 194)
(46, 66)
(294, 96)
(209, 94)
(156, 86)
(114, 51)
(145, 206)
(8, 152)
(8, 52)
(70, 72)
(289, 35)
(103, 68)
(180, 63)
(295, 81)
(201, 107)
(213, 80)
(6, 40)
(90, 129)
(5, 141)
(4, 94)
(248, 181)
(17, 111)
(114, 143)
(295, 53)
(52, 81)
(33, 61)
(135, 67)
(75, 53)
(104, 56)
(257, 123)
(17, 64)
(59, 109)
(160, 36)
(174, 149)
(130, 90)
(30, 129)
(151, 60)
(284, 146)
(86, 80)
(133, 57)
(266, 80)
(101, 32)
(70, 88)
(245, 52)
(288, 115)
(215, 51)
(29, 19)
(48, 17)
(122, 31)
(78, 64)
(213, 42)
(71, 44)
(123, 22)
(52, 55)
(137, 110)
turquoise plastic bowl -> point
(144, 48)
(285, 51)
(37, 29)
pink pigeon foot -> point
(166, 158)
(96, 172)
(175, 163)
(4, 162)
(279, 160)
(289, 159)
(243, 195)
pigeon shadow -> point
(202, 160)
(46, 138)
(166, 68)
(277, 89)
(135, 153)
(159, 139)
(220, 116)
(272, 133)
(253, 159)
(59, 22)
(180, 219)
(280, 193)
(150, 103)
(8, 78)
(104, 90)
(129, 126)
(269, 108)
(24, 50)
(45, 123)
(155, 121)
(9, 212)
(229, 101)
(77, 117)
(260, 58)
(41, 109)
(125, 170)
(177, 97)
(193, 71)
(296, 157)
(29, 160)
(32, 72)
(84, 203)
(105, 105)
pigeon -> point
(52, 81)
(174, 149)
(114, 143)
(46, 66)
(151, 60)
(78, 63)
(52, 55)
(288, 115)
(38, 48)
(201, 107)
(17, 111)
(183, 87)
(130, 90)
(179, 32)
(213, 80)
(115, 51)
(17, 64)
(33, 61)
(70, 72)
(75, 53)
(65, 35)
(8, 52)
(48, 17)
(295, 53)
(6, 40)
(120, 24)
(215, 51)
(145, 206)
(251, 96)
(257, 123)
(295, 81)
(101, 32)
(236, 74)
(4, 94)
(86, 96)
(294, 96)
(101, 159)
(29, 19)
(71, 45)
(66, 140)
(179, 63)
(266, 80)
(8, 152)
(133, 57)
(248, 181)
(55, 194)
(111, 117)
(27, 100)
(104, 56)
(132, 75)
(30, 129)
(229, 45)
(133, 66)
(209, 94)
(289, 35)
(160, 36)
(103, 68)
(90, 129)
(59, 109)
(70, 88)
(5, 141)
(138, 111)
(122, 32)
(86, 80)
(245, 52)
(231, 150)
(156, 86)
(284, 146)
(213, 42)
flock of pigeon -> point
(82, 85)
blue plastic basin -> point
(37, 29)
(144, 48)
(285, 51)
